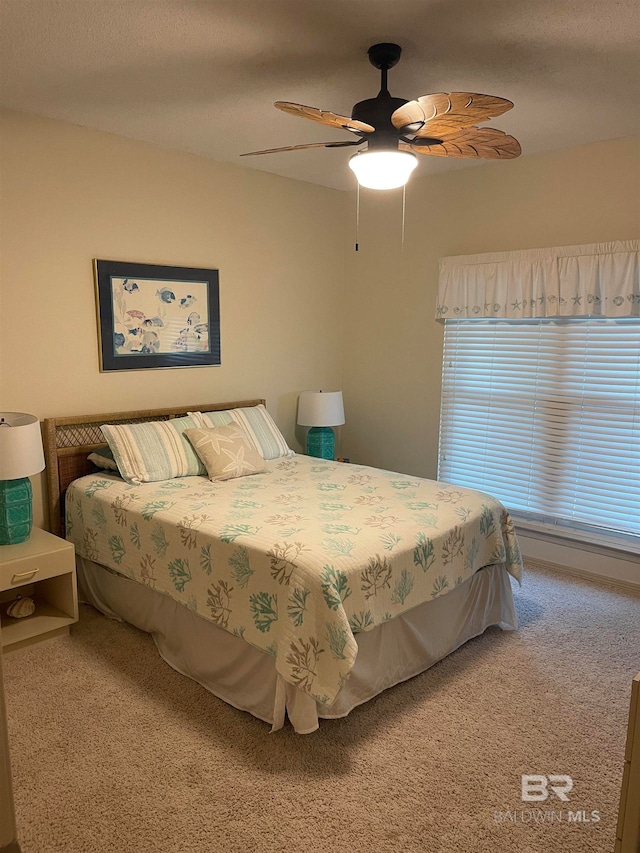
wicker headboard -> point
(68, 442)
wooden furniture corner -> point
(628, 833)
(43, 568)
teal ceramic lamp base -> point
(321, 442)
(16, 515)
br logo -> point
(536, 788)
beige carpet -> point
(114, 751)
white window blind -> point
(545, 415)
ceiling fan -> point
(394, 129)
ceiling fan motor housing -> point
(378, 111)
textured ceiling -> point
(203, 76)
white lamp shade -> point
(320, 408)
(21, 453)
(383, 170)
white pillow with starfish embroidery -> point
(226, 452)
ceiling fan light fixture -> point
(383, 170)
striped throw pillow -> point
(257, 423)
(148, 452)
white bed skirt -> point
(246, 678)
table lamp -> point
(21, 456)
(321, 410)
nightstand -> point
(43, 568)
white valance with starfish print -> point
(600, 279)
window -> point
(545, 415)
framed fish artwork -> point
(156, 316)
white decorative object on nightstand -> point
(44, 569)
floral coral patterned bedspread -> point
(296, 560)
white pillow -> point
(103, 458)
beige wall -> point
(300, 309)
(393, 344)
(71, 194)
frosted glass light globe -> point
(383, 170)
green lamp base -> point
(321, 442)
(16, 515)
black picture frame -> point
(156, 316)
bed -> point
(302, 590)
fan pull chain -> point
(357, 214)
(404, 199)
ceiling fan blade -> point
(473, 142)
(446, 114)
(407, 116)
(324, 117)
(338, 144)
